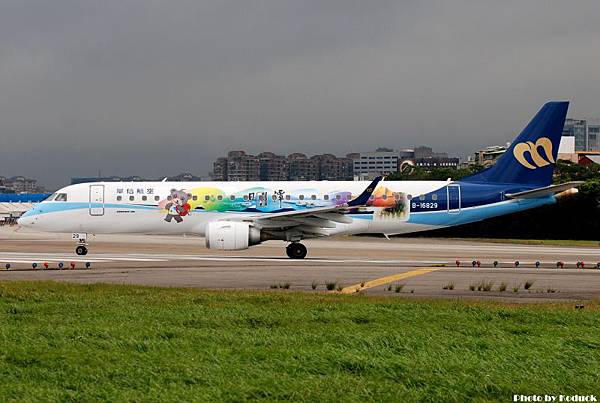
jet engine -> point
(231, 235)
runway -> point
(416, 267)
(28, 258)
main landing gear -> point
(296, 250)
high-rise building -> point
(586, 133)
(385, 161)
(267, 166)
(593, 136)
(578, 129)
(219, 172)
(273, 167)
(302, 168)
(242, 167)
(332, 168)
(375, 163)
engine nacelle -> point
(231, 235)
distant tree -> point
(566, 171)
(420, 174)
(576, 217)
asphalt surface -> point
(415, 267)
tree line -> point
(575, 217)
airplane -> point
(237, 215)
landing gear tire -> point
(81, 250)
(296, 250)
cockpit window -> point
(51, 197)
(61, 197)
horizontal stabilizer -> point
(545, 191)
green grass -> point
(108, 342)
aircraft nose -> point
(26, 219)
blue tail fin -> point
(531, 157)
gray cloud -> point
(155, 87)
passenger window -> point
(245, 197)
(338, 197)
(194, 198)
(219, 197)
(119, 198)
(144, 198)
(288, 197)
(131, 198)
(433, 197)
(274, 197)
(260, 198)
(61, 197)
(232, 198)
(314, 197)
(206, 198)
(397, 196)
(301, 197)
(422, 197)
(157, 198)
(384, 197)
(326, 197)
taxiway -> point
(421, 267)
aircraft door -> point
(453, 197)
(96, 200)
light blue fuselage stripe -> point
(432, 218)
(471, 214)
(49, 207)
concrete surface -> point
(347, 261)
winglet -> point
(363, 198)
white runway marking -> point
(55, 258)
(461, 248)
(21, 257)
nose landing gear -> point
(81, 248)
(296, 250)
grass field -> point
(107, 342)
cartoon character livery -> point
(237, 215)
(177, 205)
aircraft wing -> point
(311, 221)
(545, 191)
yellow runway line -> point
(387, 279)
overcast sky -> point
(149, 87)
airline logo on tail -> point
(521, 149)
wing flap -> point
(335, 217)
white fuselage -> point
(141, 207)
(395, 207)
